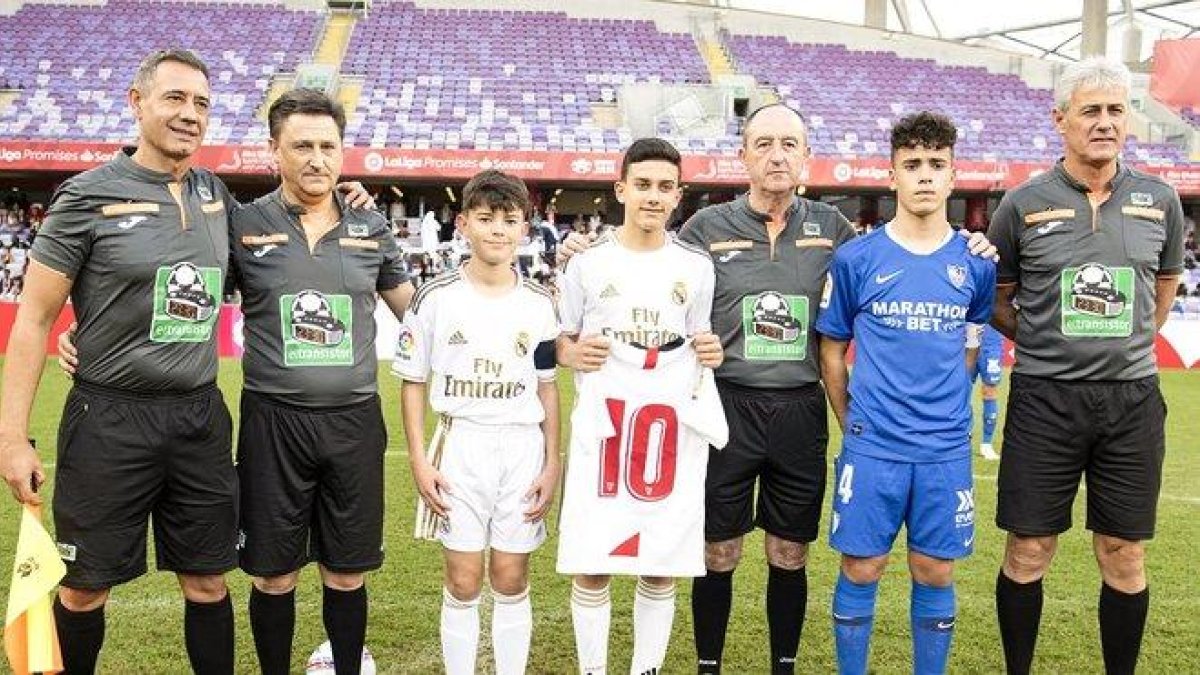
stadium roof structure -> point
(1044, 28)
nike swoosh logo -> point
(884, 278)
(945, 625)
(258, 253)
(129, 224)
(1049, 226)
(968, 542)
(728, 256)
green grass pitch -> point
(145, 617)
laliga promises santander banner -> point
(545, 166)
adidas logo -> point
(457, 339)
(609, 291)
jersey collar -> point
(1061, 171)
(124, 162)
(291, 213)
(743, 203)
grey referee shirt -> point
(1086, 278)
(766, 297)
(147, 256)
(309, 315)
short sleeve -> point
(571, 298)
(391, 268)
(692, 231)
(982, 304)
(544, 355)
(65, 240)
(1004, 233)
(1170, 261)
(843, 230)
(699, 314)
(414, 342)
(836, 319)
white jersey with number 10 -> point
(634, 496)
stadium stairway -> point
(715, 57)
(349, 90)
(331, 50)
(334, 39)
(279, 84)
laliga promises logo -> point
(842, 172)
(581, 165)
(373, 162)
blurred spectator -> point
(549, 237)
(16, 199)
(431, 231)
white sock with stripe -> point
(460, 634)
(591, 613)
(653, 614)
(512, 628)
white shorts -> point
(490, 468)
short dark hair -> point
(650, 149)
(929, 130)
(754, 113)
(149, 65)
(304, 102)
(493, 190)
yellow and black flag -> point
(30, 639)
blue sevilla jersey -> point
(907, 313)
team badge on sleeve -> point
(406, 344)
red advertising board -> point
(544, 166)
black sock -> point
(712, 598)
(208, 633)
(1019, 612)
(787, 598)
(1122, 622)
(273, 622)
(345, 615)
(80, 636)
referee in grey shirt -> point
(140, 245)
(1091, 252)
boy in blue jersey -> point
(904, 293)
(985, 356)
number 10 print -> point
(653, 428)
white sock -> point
(460, 634)
(591, 612)
(653, 614)
(512, 627)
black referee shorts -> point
(777, 438)
(123, 458)
(312, 486)
(1112, 433)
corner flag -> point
(30, 639)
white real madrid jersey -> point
(647, 298)
(634, 496)
(476, 352)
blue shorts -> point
(935, 501)
(989, 366)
